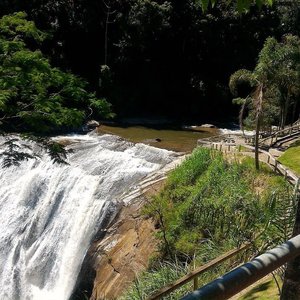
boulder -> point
(92, 124)
(208, 126)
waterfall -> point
(49, 213)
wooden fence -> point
(276, 136)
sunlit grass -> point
(264, 291)
(291, 158)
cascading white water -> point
(49, 213)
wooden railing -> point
(272, 139)
(193, 276)
(279, 168)
(267, 158)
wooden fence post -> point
(196, 284)
(297, 185)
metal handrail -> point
(240, 278)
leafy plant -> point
(34, 96)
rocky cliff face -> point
(125, 251)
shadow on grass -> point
(255, 293)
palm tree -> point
(276, 76)
(256, 98)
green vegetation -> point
(209, 206)
(159, 276)
(274, 83)
(241, 5)
(274, 86)
(263, 291)
(291, 158)
(151, 54)
(35, 97)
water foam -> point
(49, 213)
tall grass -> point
(162, 274)
(209, 206)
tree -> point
(258, 83)
(176, 56)
(241, 5)
(286, 75)
(34, 96)
(274, 81)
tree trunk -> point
(286, 109)
(106, 34)
(294, 110)
(259, 102)
(291, 283)
(257, 128)
(281, 118)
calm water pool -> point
(182, 140)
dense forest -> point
(157, 58)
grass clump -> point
(160, 275)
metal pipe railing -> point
(238, 279)
(193, 275)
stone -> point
(92, 124)
(208, 126)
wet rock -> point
(208, 126)
(92, 124)
(125, 250)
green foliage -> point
(177, 52)
(214, 201)
(161, 275)
(189, 171)
(16, 150)
(16, 27)
(241, 77)
(211, 211)
(278, 73)
(33, 95)
(242, 6)
(14, 153)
